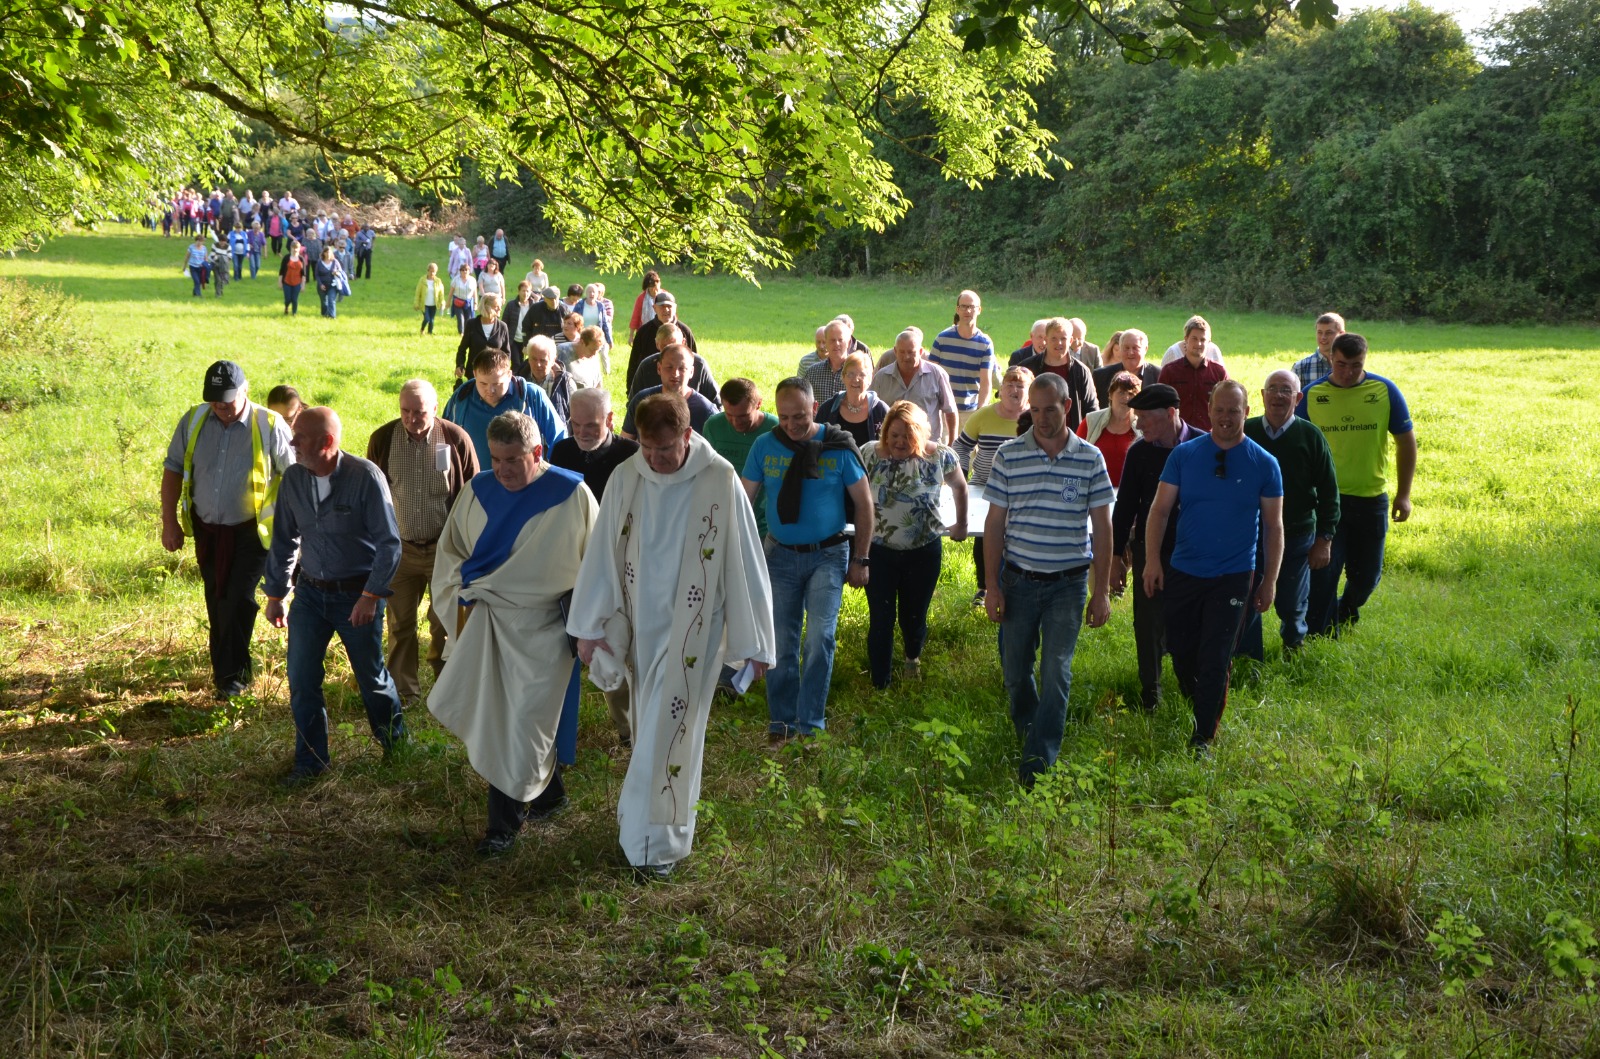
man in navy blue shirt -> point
(1230, 489)
(336, 509)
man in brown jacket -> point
(427, 460)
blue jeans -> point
(330, 302)
(1292, 599)
(254, 258)
(314, 617)
(198, 274)
(1047, 614)
(428, 312)
(1357, 553)
(806, 587)
(291, 297)
(238, 266)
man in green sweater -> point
(1310, 507)
(734, 429)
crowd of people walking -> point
(706, 542)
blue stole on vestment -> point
(507, 513)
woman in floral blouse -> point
(905, 471)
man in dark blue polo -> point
(336, 508)
(1232, 492)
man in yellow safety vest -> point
(219, 483)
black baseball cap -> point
(224, 380)
(1156, 395)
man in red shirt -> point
(1194, 377)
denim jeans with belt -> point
(1357, 552)
(314, 617)
(808, 588)
(1047, 615)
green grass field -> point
(1393, 851)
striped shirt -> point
(980, 439)
(1047, 501)
(966, 361)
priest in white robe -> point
(505, 564)
(675, 583)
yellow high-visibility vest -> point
(263, 483)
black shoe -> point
(497, 844)
(298, 777)
(644, 874)
(228, 691)
(545, 812)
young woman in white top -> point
(537, 278)
(463, 297)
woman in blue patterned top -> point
(905, 472)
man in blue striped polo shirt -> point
(967, 356)
(1049, 527)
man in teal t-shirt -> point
(1357, 411)
(806, 469)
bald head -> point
(316, 438)
(1279, 396)
(325, 420)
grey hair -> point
(594, 395)
(423, 389)
(913, 333)
(515, 428)
(543, 342)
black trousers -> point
(507, 815)
(901, 586)
(1204, 618)
(364, 259)
(231, 605)
(1149, 632)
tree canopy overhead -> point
(724, 133)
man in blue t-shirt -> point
(1226, 482)
(807, 470)
(494, 391)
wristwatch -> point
(862, 560)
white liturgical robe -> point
(677, 556)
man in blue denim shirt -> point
(336, 508)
